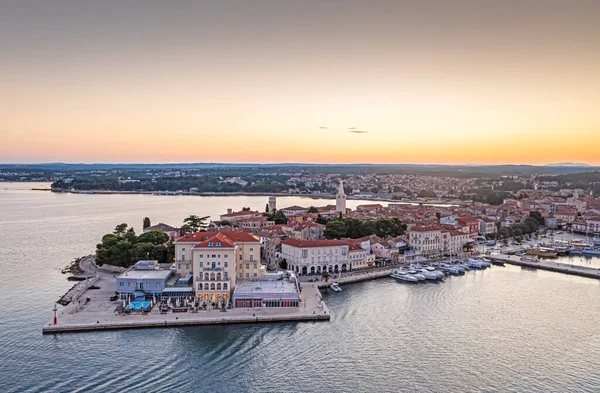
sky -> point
(444, 82)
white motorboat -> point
(336, 287)
(404, 276)
(417, 275)
(433, 276)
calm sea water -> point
(503, 329)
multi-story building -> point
(315, 256)
(214, 266)
(225, 256)
(294, 211)
(487, 226)
(426, 239)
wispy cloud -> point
(358, 131)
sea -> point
(505, 329)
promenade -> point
(577, 270)
(99, 313)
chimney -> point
(229, 211)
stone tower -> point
(340, 199)
(272, 203)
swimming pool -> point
(138, 305)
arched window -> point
(218, 286)
(212, 286)
(206, 287)
(212, 276)
(206, 276)
(218, 276)
(224, 287)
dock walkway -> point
(583, 271)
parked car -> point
(114, 297)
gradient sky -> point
(253, 81)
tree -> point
(267, 210)
(532, 224)
(518, 232)
(313, 209)
(325, 276)
(196, 223)
(245, 209)
(120, 229)
(504, 233)
(335, 229)
(426, 194)
(283, 264)
(537, 216)
(278, 217)
(225, 223)
(438, 215)
(146, 223)
(153, 237)
(130, 235)
(321, 220)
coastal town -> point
(257, 266)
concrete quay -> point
(582, 271)
(352, 277)
(98, 313)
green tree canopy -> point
(278, 217)
(153, 237)
(195, 223)
(335, 229)
(120, 229)
(313, 209)
(146, 223)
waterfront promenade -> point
(99, 313)
(576, 270)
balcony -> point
(204, 279)
(212, 269)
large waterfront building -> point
(316, 256)
(216, 260)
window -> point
(247, 275)
(251, 249)
(240, 265)
(201, 256)
(218, 244)
(225, 264)
(214, 256)
(247, 266)
(211, 244)
(121, 283)
(240, 257)
(255, 265)
(254, 274)
(129, 284)
(201, 264)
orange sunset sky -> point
(254, 81)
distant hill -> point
(579, 164)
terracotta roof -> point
(235, 214)
(161, 227)
(313, 243)
(425, 228)
(217, 241)
(232, 236)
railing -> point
(204, 279)
(212, 269)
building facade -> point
(315, 256)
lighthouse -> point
(340, 199)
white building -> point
(315, 256)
